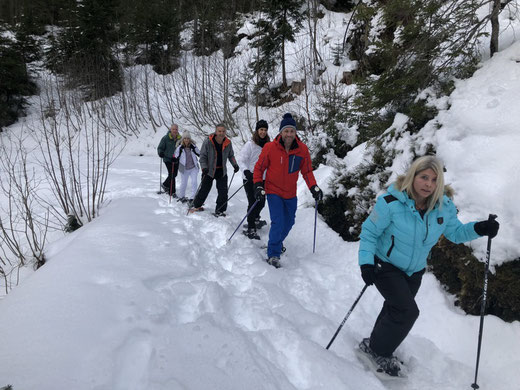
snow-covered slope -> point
(146, 297)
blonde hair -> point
(405, 182)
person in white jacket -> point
(248, 158)
(187, 154)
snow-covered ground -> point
(145, 297)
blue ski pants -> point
(282, 212)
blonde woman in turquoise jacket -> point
(396, 239)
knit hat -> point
(261, 124)
(187, 135)
(287, 121)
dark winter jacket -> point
(396, 233)
(208, 155)
(282, 167)
(167, 146)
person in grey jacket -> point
(214, 153)
(396, 238)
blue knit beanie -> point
(287, 121)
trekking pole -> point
(243, 219)
(196, 193)
(171, 182)
(348, 314)
(315, 219)
(160, 177)
(491, 217)
(234, 193)
(231, 181)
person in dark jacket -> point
(214, 153)
(282, 160)
(248, 158)
(396, 238)
(166, 151)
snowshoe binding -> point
(195, 209)
(274, 261)
(384, 367)
(251, 234)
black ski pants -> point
(250, 192)
(205, 187)
(399, 310)
(173, 169)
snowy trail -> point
(172, 305)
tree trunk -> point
(495, 27)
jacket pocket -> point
(294, 163)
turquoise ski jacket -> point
(396, 233)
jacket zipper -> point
(391, 247)
(292, 165)
(426, 236)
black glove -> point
(161, 154)
(192, 147)
(259, 192)
(248, 175)
(487, 228)
(368, 273)
(236, 168)
(205, 171)
(175, 159)
(317, 194)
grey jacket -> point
(208, 155)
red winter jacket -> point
(282, 167)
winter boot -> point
(388, 365)
(274, 261)
(251, 234)
(259, 223)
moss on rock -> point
(462, 275)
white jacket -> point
(249, 156)
(182, 159)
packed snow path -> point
(145, 297)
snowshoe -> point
(251, 234)
(195, 209)
(385, 368)
(260, 223)
(274, 261)
(219, 214)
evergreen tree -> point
(279, 22)
(84, 50)
(206, 28)
(152, 30)
(15, 82)
(419, 45)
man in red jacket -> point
(283, 159)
